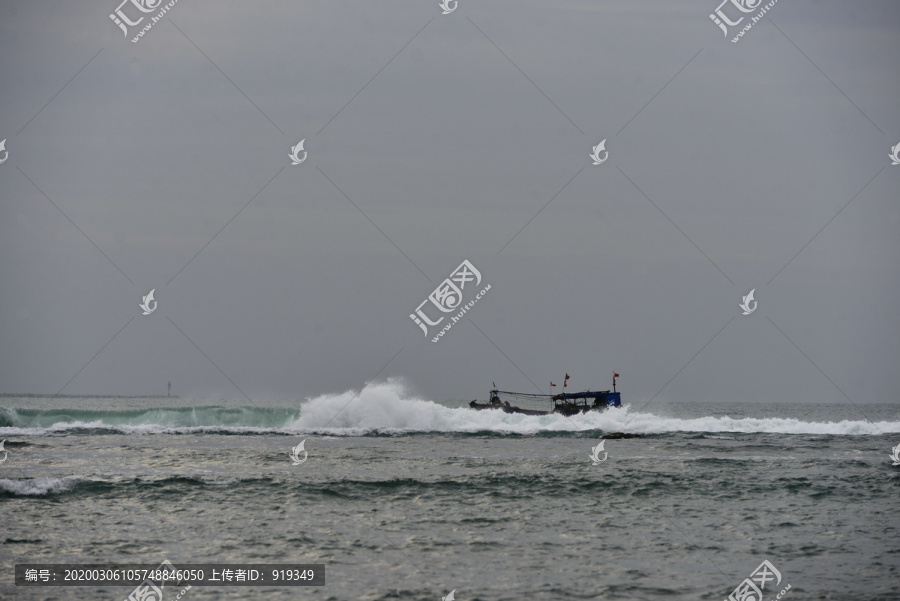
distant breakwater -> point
(29, 395)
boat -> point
(566, 403)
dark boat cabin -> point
(579, 402)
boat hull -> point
(514, 409)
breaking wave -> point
(37, 486)
(49, 486)
(386, 408)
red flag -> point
(615, 375)
(552, 384)
(566, 381)
(495, 384)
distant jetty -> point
(30, 395)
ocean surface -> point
(406, 498)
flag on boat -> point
(552, 384)
(566, 381)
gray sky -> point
(431, 139)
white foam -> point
(140, 429)
(39, 486)
(385, 407)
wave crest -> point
(387, 408)
(38, 486)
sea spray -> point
(387, 408)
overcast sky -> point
(433, 139)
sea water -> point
(408, 498)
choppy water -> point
(404, 498)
